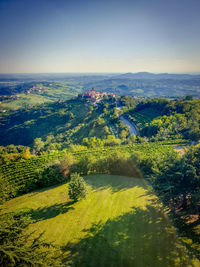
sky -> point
(99, 36)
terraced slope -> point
(144, 116)
(119, 224)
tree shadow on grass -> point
(49, 212)
(187, 231)
(139, 238)
(114, 182)
(41, 190)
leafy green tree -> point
(38, 145)
(77, 187)
(27, 153)
(52, 175)
(111, 141)
(14, 248)
(66, 163)
(178, 182)
(132, 139)
(123, 134)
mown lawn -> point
(119, 224)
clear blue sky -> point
(99, 36)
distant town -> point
(95, 96)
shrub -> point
(52, 175)
(77, 187)
(56, 173)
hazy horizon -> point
(98, 73)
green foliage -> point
(111, 141)
(57, 123)
(66, 164)
(11, 153)
(38, 145)
(179, 182)
(52, 175)
(19, 249)
(129, 101)
(56, 173)
(132, 139)
(5, 190)
(182, 120)
(40, 171)
(77, 187)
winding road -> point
(132, 127)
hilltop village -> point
(95, 96)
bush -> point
(56, 173)
(52, 175)
(77, 187)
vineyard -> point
(144, 116)
(24, 173)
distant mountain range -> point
(149, 75)
(149, 84)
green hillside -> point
(120, 223)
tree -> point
(66, 163)
(27, 153)
(38, 144)
(132, 139)
(14, 248)
(77, 187)
(123, 134)
(178, 182)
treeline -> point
(12, 153)
(156, 103)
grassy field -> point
(25, 100)
(120, 223)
